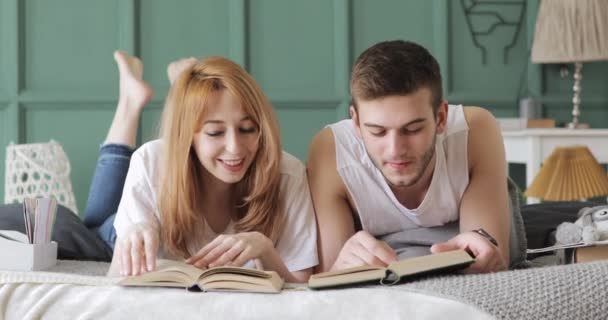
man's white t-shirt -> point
(379, 211)
(297, 244)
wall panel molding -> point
(464, 96)
(13, 123)
(238, 43)
(296, 59)
(343, 55)
(17, 42)
(441, 40)
(567, 98)
(462, 70)
(168, 31)
(10, 77)
(66, 97)
(306, 105)
(128, 26)
(342, 47)
(71, 49)
(49, 105)
(535, 82)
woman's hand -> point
(232, 250)
(136, 249)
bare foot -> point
(134, 94)
(175, 68)
(134, 91)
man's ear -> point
(355, 117)
(442, 116)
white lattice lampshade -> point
(38, 170)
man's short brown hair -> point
(395, 68)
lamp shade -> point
(570, 173)
(571, 31)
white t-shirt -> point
(379, 210)
(297, 245)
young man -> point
(407, 165)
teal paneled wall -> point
(169, 30)
(374, 21)
(58, 80)
(468, 80)
(66, 46)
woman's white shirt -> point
(297, 244)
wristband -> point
(486, 235)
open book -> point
(395, 272)
(170, 273)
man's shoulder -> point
(321, 164)
(477, 117)
(322, 145)
(483, 131)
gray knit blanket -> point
(575, 291)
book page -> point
(236, 270)
(272, 282)
(346, 271)
(167, 272)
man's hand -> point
(232, 250)
(487, 255)
(136, 250)
(363, 249)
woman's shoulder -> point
(150, 148)
(292, 168)
(147, 155)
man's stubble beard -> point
(424, 162)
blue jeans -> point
(106, 190)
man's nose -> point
(396, 145)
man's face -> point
(399, 134)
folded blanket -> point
(575, 291)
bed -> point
(79, 290)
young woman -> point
(215, 189)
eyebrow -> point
(377, 126)
(221, 122)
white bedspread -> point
(35, 296)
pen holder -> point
(19, 255)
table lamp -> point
(569, 173)
(571, 31)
